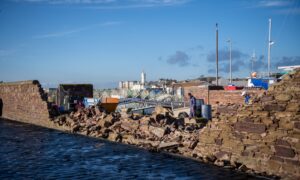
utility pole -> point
(217, 56)
(270, 43)
(230, 60)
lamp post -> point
(252, 61)
(217, 55)
(270, 43)
(230, 60)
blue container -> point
(263, 83)
(61, 109)
(206, 111)
(199, 103)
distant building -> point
(134, 85)
(143, 78)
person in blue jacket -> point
(192, 105)
(246, 96)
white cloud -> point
(67, 1)
(76, 30)
(112, 4)
(274, 3)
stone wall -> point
(263, 136)
(218, 96)
(25, 101)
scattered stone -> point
(168, 145)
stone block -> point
(284, 151)
(218, 141)
(236, 147)
(280, 142)
(104, 123)
(283, 97)
(273, 166)
(254, 136)
(206, 139)
(293, 107)
(129, 139)
(245, 153)
(267, 121)
(250, 127)
(261, 113)
(276, 158)
(246, 119)
(232, 119)
(267, 98)
(296, 117)
(222, 155)
(287, 125)
(244, 113)
(167, 145)
(284, 114)
(191, 121)
(274, 107)
(129, 125)
(295, 134)
(292, 162)
(297, 125)
(289, 169)
(157, 131)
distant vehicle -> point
(183, 112)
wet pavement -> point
(31, 152)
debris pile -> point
(160, 131)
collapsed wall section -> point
(25, 101)
(264, 136)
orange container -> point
(109, 104)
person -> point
(192, 105)
(247, 96)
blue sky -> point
(105, 41)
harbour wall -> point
(25, 101)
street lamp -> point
(230, 63)
(270, 43)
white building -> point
(143, 78)
(134, 85)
